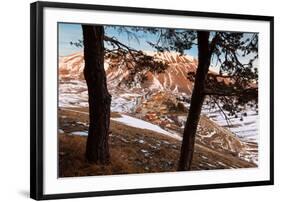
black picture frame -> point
(36, 99)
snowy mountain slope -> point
(173, 83)
(174, 78)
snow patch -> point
(80, 133)
(138, 123)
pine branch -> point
(120, 46)
(232, 92)
(214, 42)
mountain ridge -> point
(175, 77)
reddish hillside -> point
(174, 78)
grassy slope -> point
(133, 150)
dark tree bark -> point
(197, 100)
(97, 149)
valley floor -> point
(134, 149)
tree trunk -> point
(97, 149)
(197, 100)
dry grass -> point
(132, 150)
(73, 163)
(130, 153)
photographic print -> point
(145, 99)
(138, 100)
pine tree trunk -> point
(197, 100)
(97, 149)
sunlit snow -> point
(138, 123)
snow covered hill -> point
(174, 78)
(149, 101)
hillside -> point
(147, 122)
(134, 150)
(73, 90)
(174, 78)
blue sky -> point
(73, 32)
